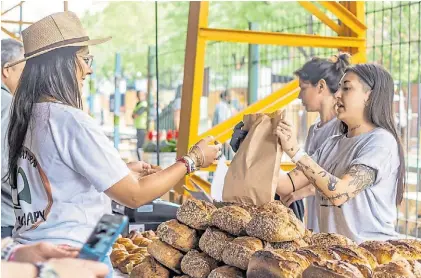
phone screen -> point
(103, 237)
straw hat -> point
(52, 32)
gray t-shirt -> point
(371, 214)
(317, 135)
(7, 213)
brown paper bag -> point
(253, 174)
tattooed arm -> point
(337, 190)
(285, 182)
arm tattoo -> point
(362, 177)
(332, 183)
(323, 173)
(303, 168)
(336, 197)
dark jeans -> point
(297, 207)
(6, 231)
(140, 135)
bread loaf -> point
(166, 255)
(394, 269)
(250, 208)
(276, 263)
(198, 265)
(117, 256)
(226, 271)
(332, 269)
(127, 265)
(127, 243)
(231, 219)
(288, 245)
(408, 250)
(275, 227)
(355, 255)
(177, 235)
(149, 235)
(118, 246)
(141, 250)
(196, 213)
(149, 268)
(141, 241)
(318, 253)
(274, 206)
(213, 242)
(329, 239)
(412, 242)
(239, 251)
(383, 251)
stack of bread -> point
(131, 251)
(236, 240)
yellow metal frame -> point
(351, 37)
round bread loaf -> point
(149, 268)
(166, 255)
(288, 245)
(383, 251)
(276, 263)
(239, 251)
(195, 214)
(275, 227)
(318, 253)
(198, 265)
(329, 239)
(355, 254)
(231, 219)
(408, 250)
(274, 206)
(213, 242)
(226, 271)
(332, 269)
(178, 235)
(400, 268)
(252, 209)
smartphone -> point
(103, 237)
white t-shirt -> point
(66, 164)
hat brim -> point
(85, 43)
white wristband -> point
(298, 155)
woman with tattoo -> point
(318, 79)
(359, 174)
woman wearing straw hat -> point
(62, 168)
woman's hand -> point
(42, 251)
(78, 268)
(204, 154)
(300, 194)
(287, 137)
(142, 169)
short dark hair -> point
(330, 70)
(10, 51)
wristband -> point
(44, 270)
(8, 249)
(189, 163)
(298, 155)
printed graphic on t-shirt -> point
(32, 197)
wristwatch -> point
(44, 270)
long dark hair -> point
(331, 70)
(48, 76)
(380, 109)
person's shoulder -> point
(67, 116)
(381, 137)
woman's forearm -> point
(17, 270)
(332, 187)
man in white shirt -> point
(11, 51)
